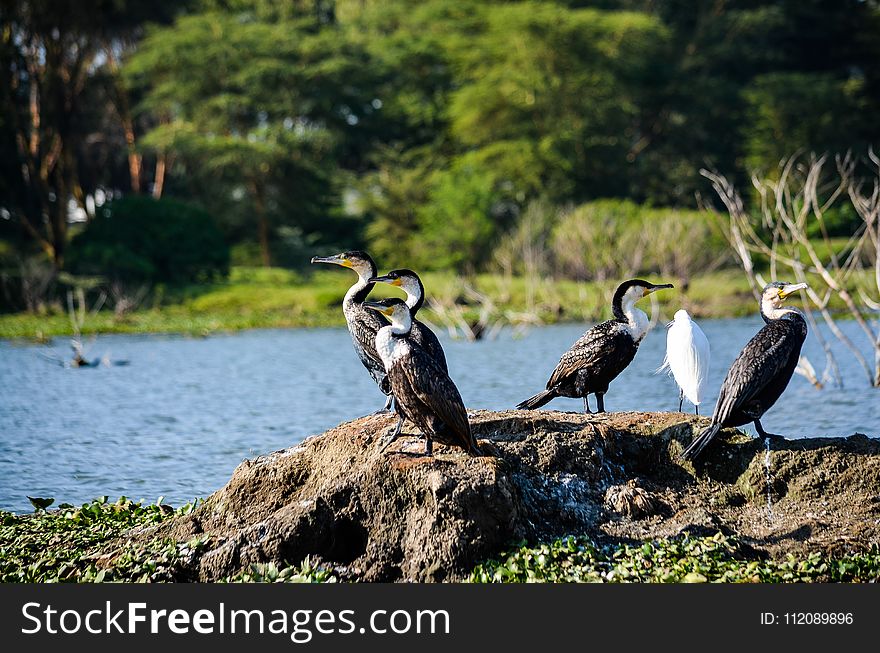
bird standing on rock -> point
(761, 372)
(601, 353)
(423, 392)
(687, 358)
(362, 324)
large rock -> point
(398, 515)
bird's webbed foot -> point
(429, 447)
(389, 437)
(764, 434)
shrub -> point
(616, 239)
(139, 239)
(524, 249)
(600, 240)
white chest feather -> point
(636, 323)
(390, 349)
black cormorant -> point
(362, 323)
(423, 392)
(415, 297)
(603, 352)
(762, 370)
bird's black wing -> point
(363, 324)
(428, 341)
(765, 356)
(419, 377)
(602, 344)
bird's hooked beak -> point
(336, 259)
(379, 308)
(394, 281)
(655, 288)
(790, 289)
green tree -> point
(140, 239)
(257, 106)
(52, 55)
(390, 199)
(460, 218)
(550, 96)
(779, 124)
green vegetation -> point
(253, 298)
(87, 544)
(269, 572)
(139, 239)
(268, 298)
(686, 559)
(62, 545)
(79, 544)
(422, 131)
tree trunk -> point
(265, 255)
(123, 111)
(258, 192)
(58, 220)
(159, 181)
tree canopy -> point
(421, 130)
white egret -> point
(687, 358)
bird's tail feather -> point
(538, 400)
(699, 443)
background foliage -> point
(141, 239)
(423, 131)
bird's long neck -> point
(636, 319)
(401, 325)
(769, 313)
(415, 294)
(362, 287)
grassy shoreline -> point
(258, 298)
(274, 298)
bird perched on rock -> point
(362, 324)
(687, 358)
(601, 353)
(412, 285)
(761, 372)
(423, 392)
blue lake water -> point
(178, 419)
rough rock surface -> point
(397, 515)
